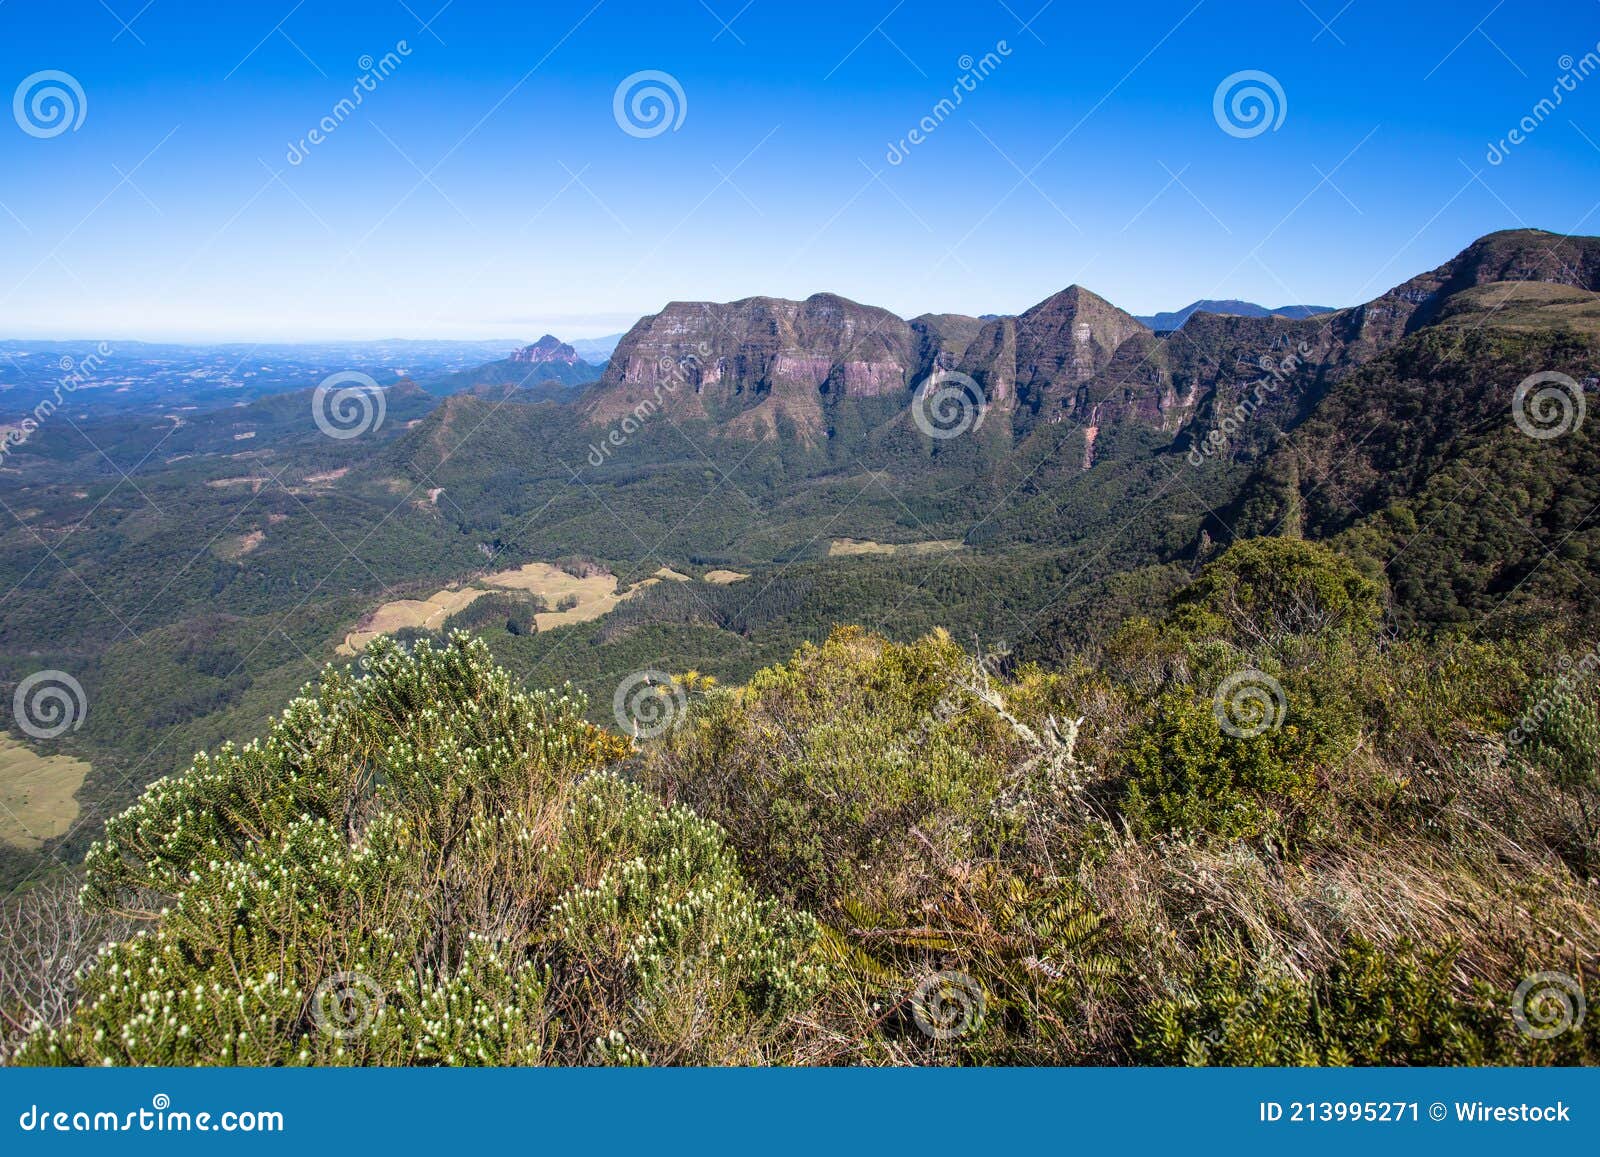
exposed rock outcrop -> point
(1510, 255)
(1035, 362)
(750, 364)
(547, 350)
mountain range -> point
(782, 449)
(762, 365)
(1215, 695)
(1233, 307)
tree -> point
(1262, 590)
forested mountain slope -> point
(1088, 467)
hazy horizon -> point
(582, 329)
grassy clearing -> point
(403, 613)
(36, 793)
(1527, 306)
(724, 578)
(596, 595)
(234, 548)
(844, 546)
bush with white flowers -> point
(421, 864)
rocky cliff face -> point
(942, 340)
(1075, 357)
(1035, 362)
(1510, 255)
(763, 364)
(747, 364)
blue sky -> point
(484, 187)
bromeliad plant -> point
(422, 864)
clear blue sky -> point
(485, 189)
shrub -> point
(825, 767)
(1186, 775)
(1561, 730)
(421, 864)
(1263, 589)
(910, 797)
(1370, 1007)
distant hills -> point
(126, 376)
(545, 369)
(1232, 307)
(1102, 463)
(159, 377)
(596, 350)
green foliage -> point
(1186, 775)
(1264, 589)
(1435, 691)
(512, 612)
(1561, 737)
(1368, 1007)
(841, 753)
(422, 864)
(894, 789)
(1475, 526)
(1565, 737)
(1255, 680)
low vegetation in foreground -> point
(1252, 830)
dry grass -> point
(254, 481)
(36, 793)
(396, 616)
(235, 547)
(596, 596)
(847, 546)
(724, 578)
(1526, 305)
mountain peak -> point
(547, 349)
(1073, 294)
(1037, 360)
